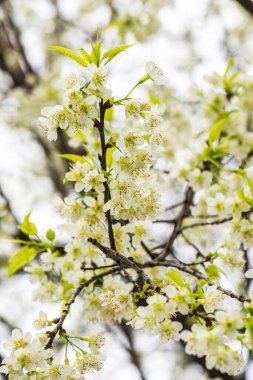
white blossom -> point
(155, 73)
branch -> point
(101, 127)
(52, 334)
(19, 234)
(247, 5)
(147, 250)
(177, 226)
(53, 171)
(10, 39)
(195, 273)
(7, 324)
(126, 329)
(125, 263)
(174, 206)
(192, 245)
(204, 224)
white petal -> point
(249, 273)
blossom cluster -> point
(112, 255)
(29, 360)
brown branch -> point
(10, 39)
(101, 129)
(7, 324)
(247, 5)
(195, 273)
(205, 224)
(130, 279)
(96, 268)
(192, 245)
(53, 170)
(19, 234)
(135, 358)
(184, 212)
(52, 334)
(147, 250)
(168, 221)
(174, 206)
(125, 263)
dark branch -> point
(135, 358)
(65, 312)
(247, 5)
(177, 226)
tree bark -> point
(247, 5)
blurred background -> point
(187, 38)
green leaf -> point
(85, 55)
(50, 234)
(109, 114)
(28, 227)
(109, 159)
(242, 196)
(95, 55)
(69, 53)
(145, 286)
(249, 326)
(73, 157)
(234, 76)
(229, 65)
(20, 258)
(250, 184)
(215, 130)
(13, 240)
(66, 287)
(175, 277)
(213, 272)
(199, 292)
(111, 53)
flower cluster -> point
(131, 156)
(29, 360)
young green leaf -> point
(50, 234)
(213, 272)
(95, 55)
(109, 114)
(28, 227)
(241, 195)
(229, 65)
(109, 159)
(111, 53)
(20, 258)
(249, 326)
(73, 157)
(175, 277)
(69, 53)
(199, 292)
(85, 55)
(215, 131)
(250, 184)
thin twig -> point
(65, 312)
(215, 222)
(192, 245)
(174, 206)
(168, 221)
(184, 212)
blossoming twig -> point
(66, 309)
